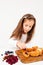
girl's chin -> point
(25, 32)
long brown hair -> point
(17, 33)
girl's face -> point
(27, 25)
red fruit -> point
(11, 59)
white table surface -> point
(9, 47)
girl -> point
(24, 30)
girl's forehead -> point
(29, 22)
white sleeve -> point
(13, 42)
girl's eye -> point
(29, 26)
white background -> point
(10, 13)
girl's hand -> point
(21, 45)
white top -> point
(23, 38)
(32, 42)
(13, 42)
